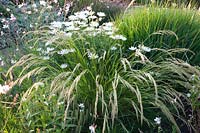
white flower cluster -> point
(35, 6)
(86, 22)
(66, 51)
(141, 48)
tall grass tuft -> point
(142, 26)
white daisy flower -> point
(5, 26)
(81, 106)
(92, 55)
(73, 17)
(31, 26)
(49, 7)
(132, 48)
(193, 77)
(101, 14)
(12, 17)
(158, 120)
(2, 63)
(144, 48)
(13, 61)
(108, 26)
(46, 103)
(92, 128)
(68, 23)
(42, 2)
(174, 100)
(59, 13)
(82, 15)
(118, 37)
(69, 34)
(56, 24)
(72, 28)
(21, 5)
(66, 51)
(109, 33)
(60, 103)
(188, 94)
(63, 66)
(2, 33)
(7, 9)
(113, 48)
(29, 12)
(4, 89)
(49, 50)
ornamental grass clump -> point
(168, 3)
(85, 78)
(143, 26)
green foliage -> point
(140, 24)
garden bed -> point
(96, 67)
